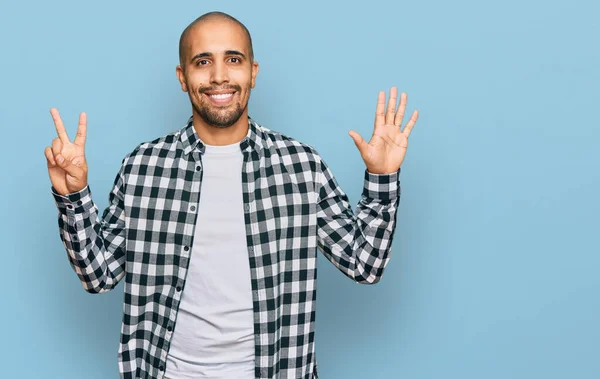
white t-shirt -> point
(214, 332)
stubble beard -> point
(219, 117)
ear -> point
(254, 73)
(181, 77)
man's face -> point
(217, 72)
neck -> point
(216, 136)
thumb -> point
(70, 168)
(361, 144)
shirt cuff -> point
(385, 187)
(73, 203)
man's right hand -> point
(67, 166)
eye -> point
(201, 62)
(235, 60)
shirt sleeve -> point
(358, 244)
(95, 246)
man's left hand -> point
(385, 152)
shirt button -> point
(178, 288)
(198, 168)
(79, 202)
(169, 328)
(161, 368)
(192, 208)
(70, 206)
(186, 248)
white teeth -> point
(222, 96)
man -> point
(215, 227)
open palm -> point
(386, 150)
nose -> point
(219, 73)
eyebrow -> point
(227, 52)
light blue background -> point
(495, 269)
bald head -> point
(211, 16)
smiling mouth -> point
(220, 98)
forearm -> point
(360, 245)
(95, 246)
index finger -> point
(60, 128)
(81, 130)
(380, 110)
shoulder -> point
(158, 147)
(288, 147)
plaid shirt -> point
(293, 205)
